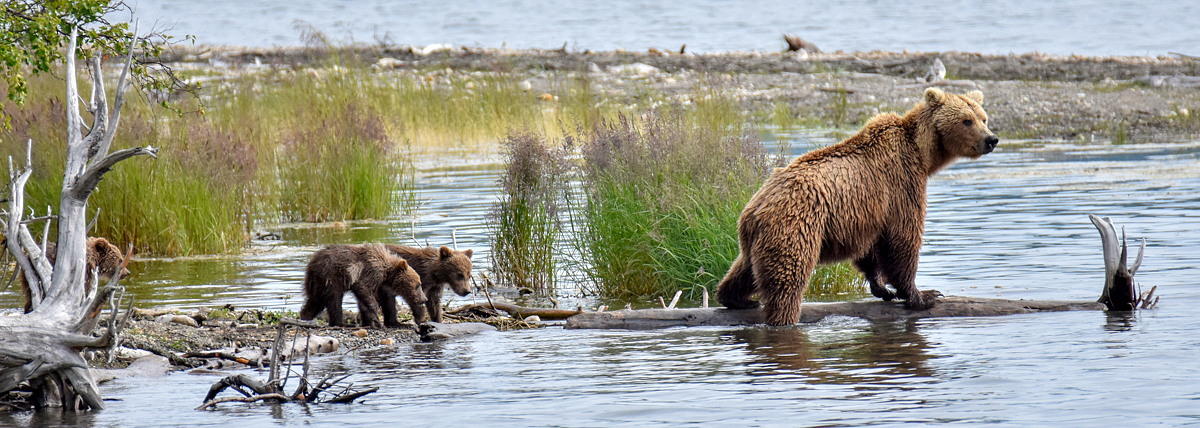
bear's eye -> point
(967, 122)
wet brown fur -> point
(437, 267)
(862, 199)
(373, 274)
(102, 256)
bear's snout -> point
(989, 144)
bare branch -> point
(91, 178)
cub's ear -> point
(468, 253)
(98, 243)
(445, 252)
(975, 95)
(935, 97)
(402, 264)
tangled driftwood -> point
(272, 390)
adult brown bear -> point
(862, 199)
(437, 267)
(371, 272)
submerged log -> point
(953, 306)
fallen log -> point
(1118, 294)
(521, 312)
(874, 310)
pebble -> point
(360, 333)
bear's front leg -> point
(433, 302)
(898, 256)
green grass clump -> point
(342, 168)
(525, 223)
(663, 201)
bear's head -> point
(454, 268)
(107, 259)
(403, 280)
(960, 124)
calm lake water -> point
(1012, 224)
(1087, 27)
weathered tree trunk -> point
(43, 347)
(1118, 294)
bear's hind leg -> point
(312, 307)
(782, 279)
(738, 285)
(870, 270)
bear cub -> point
(102, 257)
(373, 274)
(437, 267)
(862, 199)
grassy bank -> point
(307, 144)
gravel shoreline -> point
(1028, 96)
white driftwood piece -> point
(44, 345)
(1119, 291)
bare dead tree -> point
(42, 348)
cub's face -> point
(107, 258)
(961, 123)
(455, 270)
(404, 281)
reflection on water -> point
(875, 352)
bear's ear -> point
(446, 252)
(975, 95)
(468, 253)
(935, 97)
(401, 264)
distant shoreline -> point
(1029, 96)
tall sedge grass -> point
(665, 194)
(525, 223)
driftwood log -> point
(41, 349)
(1119, 294)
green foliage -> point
(664, 198)
(525, 223)
(341, 168)
(33, 33)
